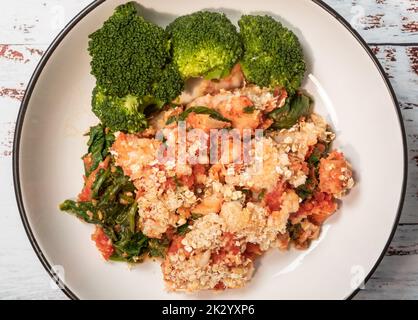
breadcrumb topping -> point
(232, 211)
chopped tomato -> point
(220, 286)
(187, 181)
(176, 244)
(170, 233)
(252, 251)
(273, 199)
(199, 173)
(229, 248)
(170, 184)
(230, 245)
(103, 243)
(88, 162)
(217, 257)
(199, 169)
(319, 208)
(86, 193)
(319, 149)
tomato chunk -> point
(273, 199)
(252, 251)
(86, 193)
(103, 243)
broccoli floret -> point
(120, 114)
(204, 44)
(273, 55)
(170, 84)
(130, 55)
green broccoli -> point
(273, 55)
(204, 44)
(132, 65)
(131, 56)
(120, 114)
(170, 85)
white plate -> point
(350, 89)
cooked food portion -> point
(197, 87)
(132, 64)
(273, 55)
(205, 44)
(207, 154)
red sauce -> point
(103, 243)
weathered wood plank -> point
(376, 20)
(36, 22)
(395, 278)
(381, 21)
(405, 241)
(401, 64)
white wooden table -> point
(28, 26)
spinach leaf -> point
(183, 229)
(158, 247)
(198, 110)
(101, 139)
(249, 109)
(294, 230)
(287, 116)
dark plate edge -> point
(372, 56)
(62, 35)
(17, 135)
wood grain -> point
(381, 21)
(391, 28)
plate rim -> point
(58, 39)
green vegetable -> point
(132, 64)
(262, 194)
(83, 210)
(158, 247)
(196, 216)
(113, 208)
(120, 114)
(306, 190)
(131, 56)
(320, 151)
(183, 229)
(198, 110)
(132, 216)
(204, 44)
(171, 120)
(294, 230)
(177, 182)
(273, 56)
(101, 177)
(249, 109)
(130, 246)
(295, 108)
(98, 146)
